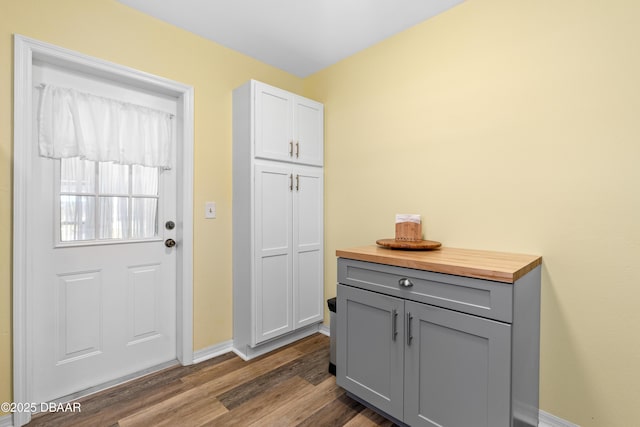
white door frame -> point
(27, 50)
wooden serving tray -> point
(421, 245)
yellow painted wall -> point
(509, 125)
(513, 126)
(114, 32)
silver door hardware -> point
(169, 243)
(405, 283)
(169, 225)
(394, 324)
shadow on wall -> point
(558, 343)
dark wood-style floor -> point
(288, 387)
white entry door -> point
(103, 297)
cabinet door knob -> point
(404, 282)
(290, 148)
(297, 149)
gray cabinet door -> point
(457, 369)
(370, 348)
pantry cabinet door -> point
(308, 131)
(308, 239)
(273, 123)
(273, 296)
(457, 369)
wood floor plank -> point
(109, 415)
(369, 418)
(192, 408)
(106, 407)
(287, 415)
(311, 343)
(336, 413)
(285, 394)
(306, 366)
(219, 382)
(201, 376)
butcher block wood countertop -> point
(497, 266)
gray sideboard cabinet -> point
(426, 347)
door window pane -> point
(77, 218)
(113, 178)
(77, 176)
(144, 218)
(113, 218)
(107, 201)
(145, 180)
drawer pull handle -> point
(405, 283)
(394, 324)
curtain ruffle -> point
(76, 124)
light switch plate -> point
(210, 210)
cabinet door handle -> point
(409, 334)
(290, 148)
(290, 182)
(297, 149)
(404, 282)
(297, 182)
(394, 324)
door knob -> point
(169, 225)
(169, 243)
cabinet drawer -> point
(492, 300)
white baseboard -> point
(6, 420)
(324, 329)
(548, 420)
(227, 346)
(212, 351)
(246, 352)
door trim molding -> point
(26, 50)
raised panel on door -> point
(370, 348)
(273, 123)
(308, 267)
(308, 131)
(457, 369)
(273, 294)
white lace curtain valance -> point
(77, 124)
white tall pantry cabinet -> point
(277, 217)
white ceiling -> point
(298, 36)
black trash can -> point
(333, 326)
